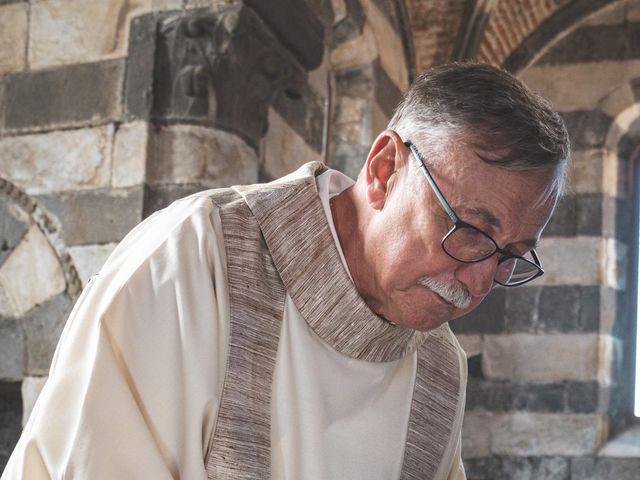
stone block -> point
(614, 14)
(11, 351)
(471, 344)
(614, 263)
(378, 120)
(63, 160)
(13, 227)
(356, 51)
(348, 157)
(610, 356)
(348, 21)
(487, 318)
(586, 171)
(536, 468)
(586, 44)
(556, 397)
(568, 309)
(319, 78)
(619, 99)
(485, 468)
(159, 196)
(304, 114)
(486, 396)
(339, 8)
(208, 157)
(557, 83)
(284, 149)
(2, 101)
(387, 94)
(541, 358)
(589, 214)
(618, 183)
(521, 310)
(389, 44)
(582, 397)
(42, 328)
(299, 30)
(635, 88)
(138, 90)
(10, 414)
(581, 254)
(33, 262)
(95, 216)
(130, 154)
(14, 30)
(88, 259)
(608, 308)
(323, 10)
(623, 218)
(605, 468)
(546, 397)
(476, 434)
(76, 31)
(556, 309)
(167, 4)
(350, 119)
(76, 95)
(625, 445)
(587, 128)
(356, 82)
(206, 62)
(31, 388)
(474, 367)
(563, 221)
(540, 434)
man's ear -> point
(387, 155)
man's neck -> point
(347, 221)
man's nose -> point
(478, 277)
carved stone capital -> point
(223, 69)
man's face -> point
(404, 238)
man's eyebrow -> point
(485, 215)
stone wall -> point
(110, 110)
(550, 363)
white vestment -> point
(136, 380)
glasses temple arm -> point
(432, 183)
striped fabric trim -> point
(241, 446)
(304, 259)
(436, 400)
(297, 234)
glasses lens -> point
(468, 244)
(515, 271)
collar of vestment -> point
(296, 231)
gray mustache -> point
(454, 292)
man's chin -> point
(426, 323)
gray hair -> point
(489, 109)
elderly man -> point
(297, 330)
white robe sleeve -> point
(136, 379)
(457, 468)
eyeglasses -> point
(468, 244)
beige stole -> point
(277, 239)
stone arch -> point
(557, 24)
(31, 319)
